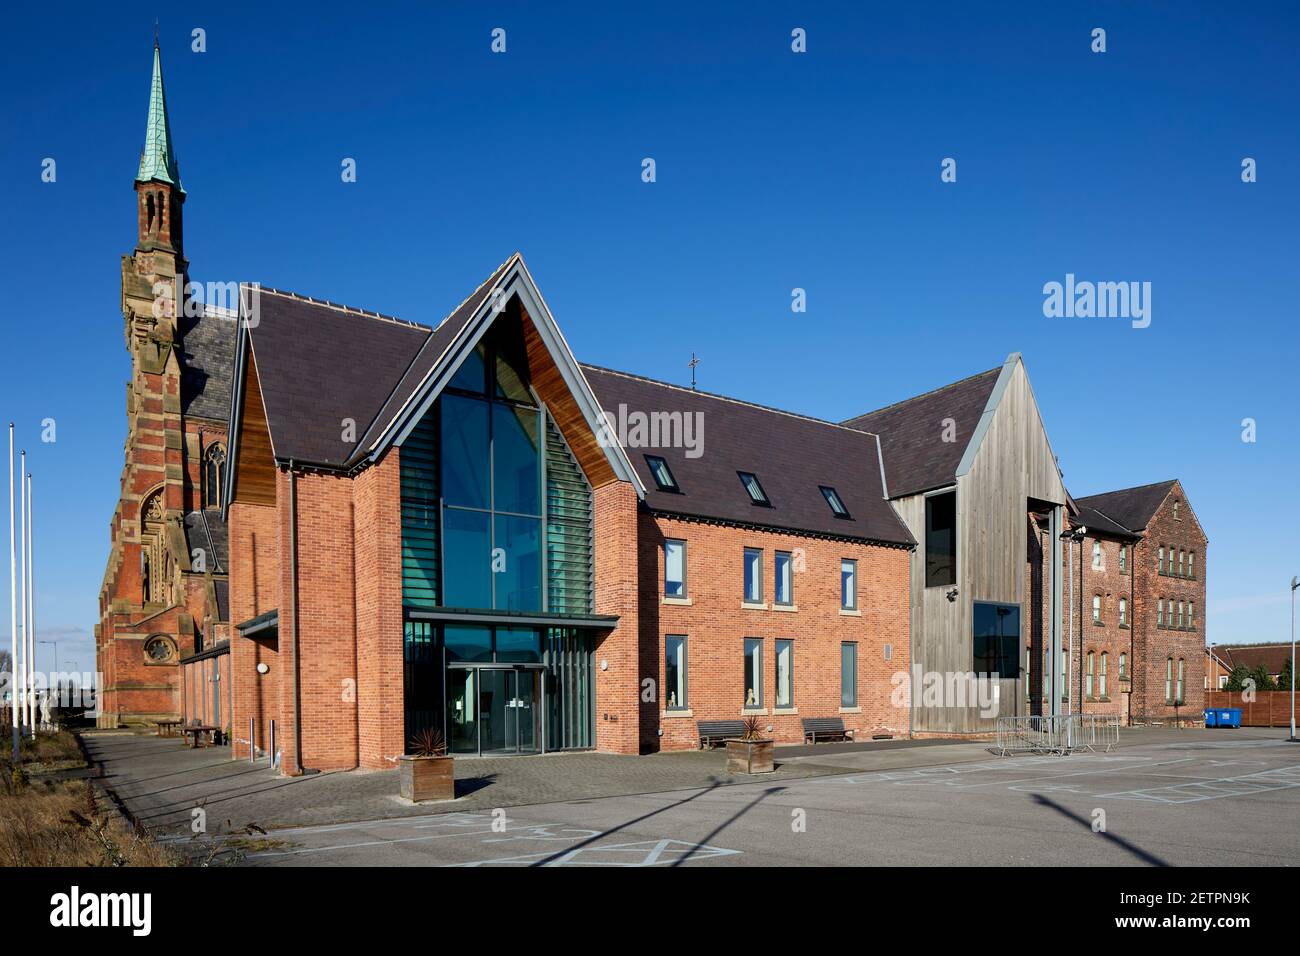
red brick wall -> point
(716, 625)
(254, 589)
(1108, 637)
(619, 658)
(1153, 645)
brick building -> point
(164, 591)
(460, 526)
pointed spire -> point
(157, 161)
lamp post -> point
(1295, 583)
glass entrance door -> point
(493, 710)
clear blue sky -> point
(775, 171)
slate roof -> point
(790, 454)
(911, 433)
(207, 364)
(206, 530)
(1130, 508)
(221, 587)
(321, 365)
(1095, 520)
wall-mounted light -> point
(263, 668)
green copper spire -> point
(157, 161)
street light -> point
(1295, 583)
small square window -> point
(662, 474)
(833, 499)
(756, 493)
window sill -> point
(1098, 623)
(678, 601)
(784, 711)
(850, 710)
(850, 612)
(785, 607)
(748, 606)
(754, 712)
(1123, 627)
(1104, 699)
(676, 714)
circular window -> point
(159, 650)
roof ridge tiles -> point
(341, 307)
(725, 398)
(1149, 484)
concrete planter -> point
(427, 778)
(750, 756)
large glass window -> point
(941, 539)
(490, 454)
(997, 639)
(674, 568)
(784, 592)
(519, 645)
(848, 674)
(753, 672)
(848, 584)
(468, 643)
(753, 576)
(785, 673)
(675, 672)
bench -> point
(167, 728)
(713, 732)
(199, 734)
(826, 727)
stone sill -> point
(674, 714)
(679, 601)
(850, 710)
(754, 712)
(747, 606)
(785, 607)
(850, 612)
(784, 711)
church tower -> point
(166, 556)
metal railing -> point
(1062, 734)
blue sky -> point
(775, 170)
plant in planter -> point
(751, 753)
(427, 771)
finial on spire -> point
(691, 365)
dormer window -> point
(833, 499)
(756, 493)
(662, 474)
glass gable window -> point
(490, 448)
(756, 493)
(848, 584)
(661, 473)
(675, 672)
(941, 539)
(785, 673)
(784, 587)
(753, 672)
(833, 499)
(848, 674)
(753, 576)
(674, 568)
(997, 639)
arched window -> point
(153, 570)
(214, 472)
(1123, 665)
(1123, 612)
(1101, 677)
(1087, 686)
(1096, 555)
(1169, 681)
(1096, 609)
(1180, 698)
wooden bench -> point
(826, 727)
(199, 734)
(167, 728)
(713, 732)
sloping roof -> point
(1272, 656)
(322, 366)
(1131, 508)
(221, 588)
(790, 454)
(1096, 521)
(207, 364)
(429, 353)
(912, 432)
(206, 531)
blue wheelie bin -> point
(1211, 717)
(1228, 717)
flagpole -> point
(22, 586)
(13, 605)
(31, 619)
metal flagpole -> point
(31, 621)
(22, 587)
(13, 605)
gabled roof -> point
(1100, 523)
(1272, 656)
(912, 432)
(325, 372)
(207, 363)
(1131, 508)
(157, 160)
(791, 455)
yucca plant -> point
(428, 743)
(753, 727)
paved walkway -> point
(161, 782)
